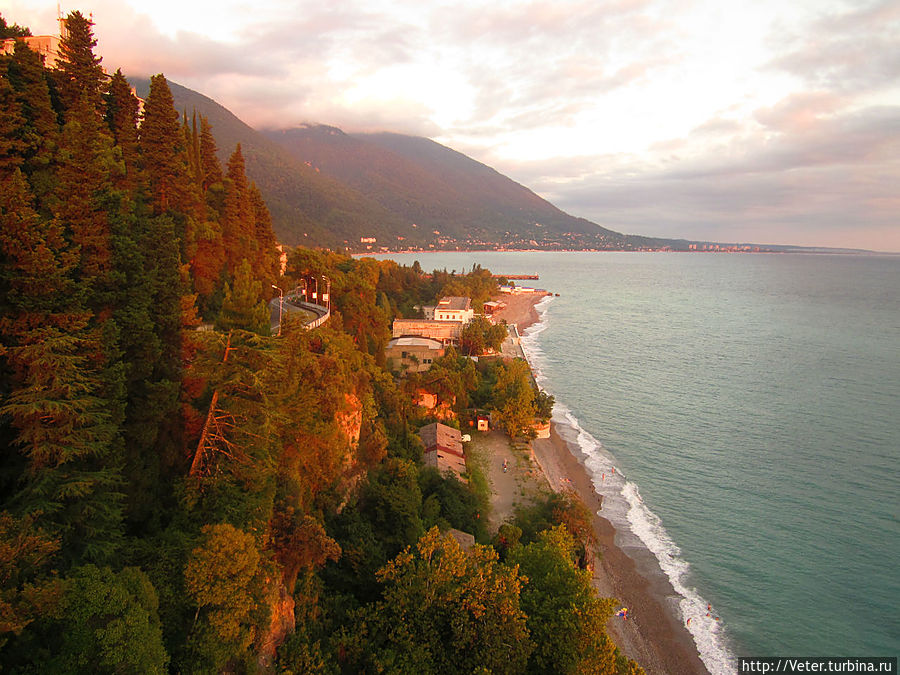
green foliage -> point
(79, 72)
(543, 405)
(122, 114)
(451, 378)
(64, 430)
(480, 335)
(26, 591)
(161, 144)
(39, 129)
(166, 493)
(559, 508)
(444, 611)
(243, 306)
(113, 622)
(514, 398)
(565, 616)
(12, 31)
(447, 502)
(222, 577)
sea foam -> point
(636, 525)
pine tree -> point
(85, 162)
(160, 142)
(244, 306)
(55, 405)
(12, 31)
(11, 124)
(40, 132)
(122, 114)
(80, 75)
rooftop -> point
(437, 435)
(414, 341)
(455, 302)
(446, 461)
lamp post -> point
(280, 306)
(327, 296)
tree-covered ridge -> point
(222, 500)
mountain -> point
(328, 188)
(435, 187)
(307, 207)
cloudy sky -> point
(764, 121)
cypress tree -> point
(238, 230)
(196, 169)
(209, 162)
(267, 261)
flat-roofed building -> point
(412, 353)
(492, 307)
(445, 332)
(45, 45)
(454, 308)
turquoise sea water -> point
(752, 404)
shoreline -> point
(653, 635)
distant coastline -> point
(723, 248)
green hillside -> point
(307, 207)
(434, 186)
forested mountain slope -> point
(307, 208)
(432, 185)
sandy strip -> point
(652, 635)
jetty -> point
(516, 276)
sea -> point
(740, 415)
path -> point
(519, 483)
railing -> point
(295, 303)
(323, 313)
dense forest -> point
(181, 491)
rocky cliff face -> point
(281, 625)
(350, 421)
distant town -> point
(566, 241)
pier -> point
(516, 276)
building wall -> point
(462, 315)
(399, 357)
(447, 332)
(45, 45)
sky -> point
(724, 120)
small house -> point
(483, 423)
(412, 353)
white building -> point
(454, 308)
